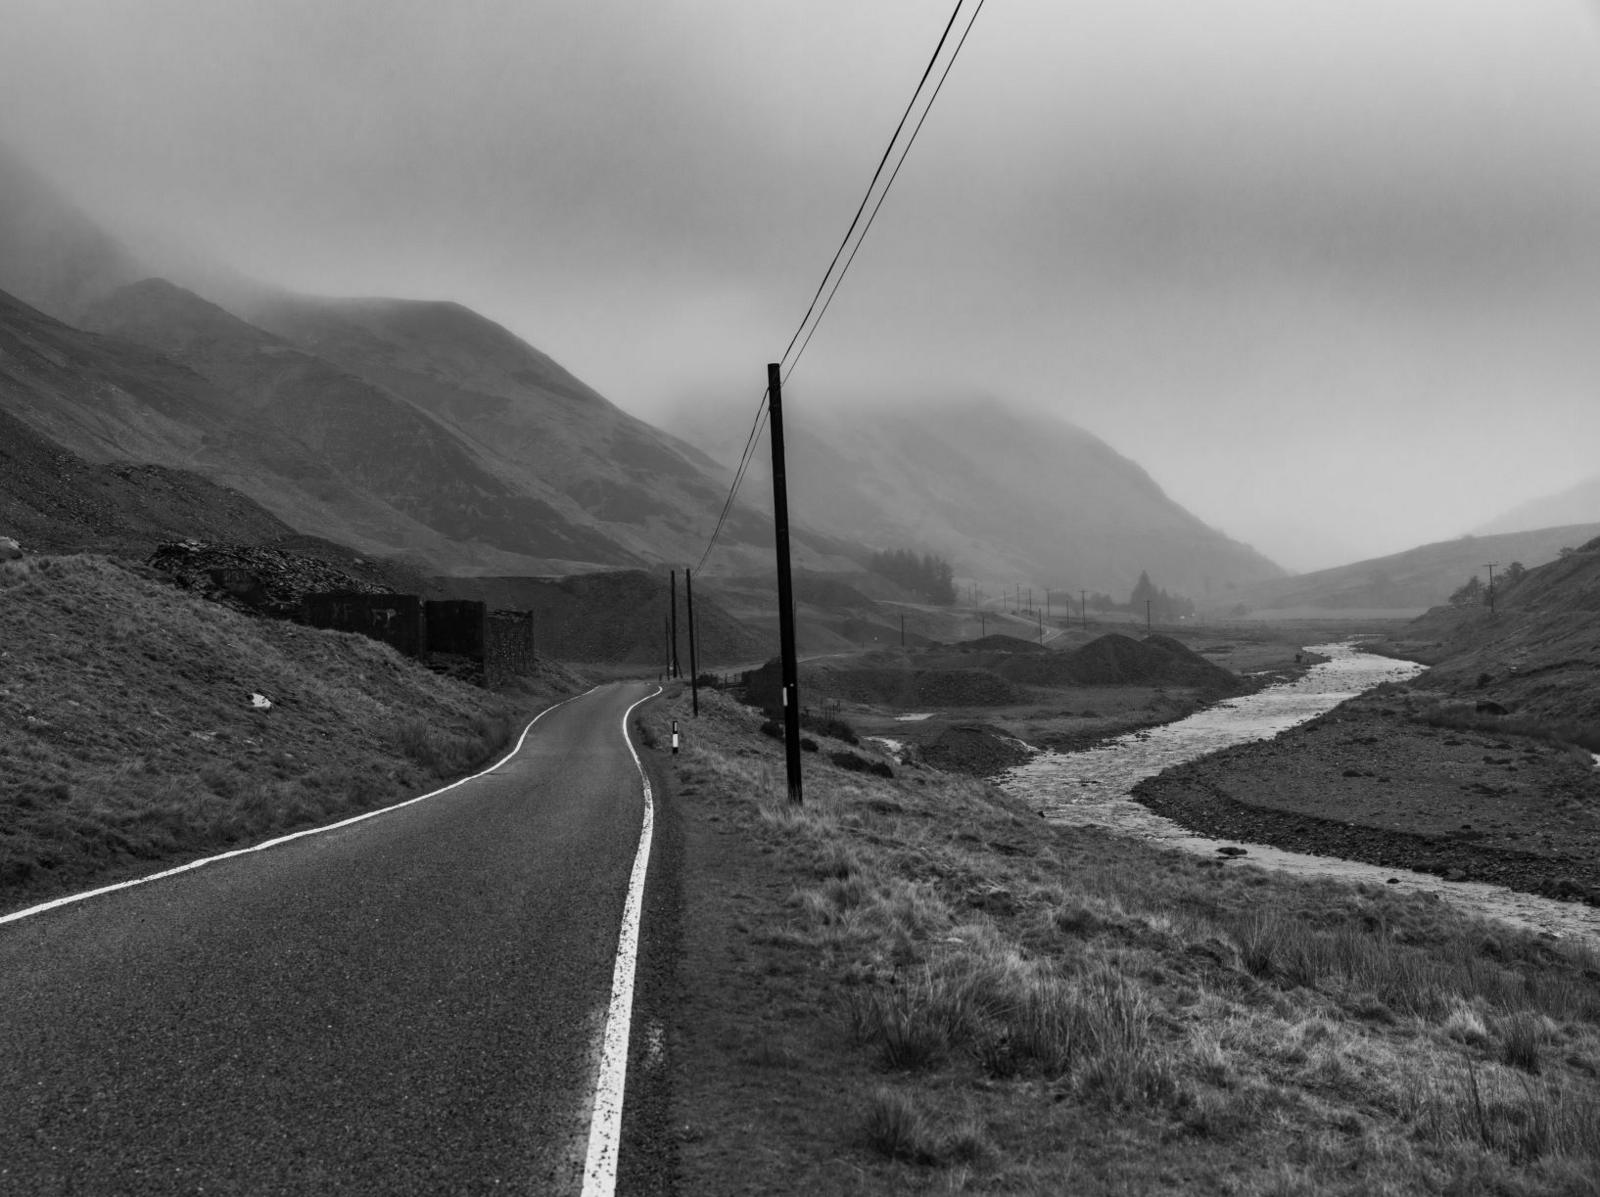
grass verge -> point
(128, 736)
(913, 984)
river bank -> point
(915, 984)
(1372, 781)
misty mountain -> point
(1006, 496)
(52, 256)
(1579, 504)
(1416, 578)
(538, 426)
(373, 441)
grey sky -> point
(1329, 269)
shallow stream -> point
(1091, 789)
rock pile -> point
(256, 580)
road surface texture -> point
(406, 1005)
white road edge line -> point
(605, 1124)
(30, 911)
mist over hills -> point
(1008, 496)
(1417, 578)
(1578, 504)
(52, 255)
(420, 429)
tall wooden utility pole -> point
(694, 664)
(1491, 565)
(780, 520)
(672, 665)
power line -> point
(895, 174)
(762, 411)
(738, 476)
(887, 150)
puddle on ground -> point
(914, 718)
(1091, 788)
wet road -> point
(410, 1004)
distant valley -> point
(422, 431)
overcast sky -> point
(1328, 269)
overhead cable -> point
(850, 233)
(887, 150)
(895, 174)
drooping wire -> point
(895, 174)
(762, 410)
(887, 150)
(738, 476)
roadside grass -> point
(129, 736)
(973, 1000)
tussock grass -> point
(127, 736)
(1141, 1020)
(1465, 717)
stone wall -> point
(455, 626)
(396, 619)
(507, 646)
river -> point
(1091, 789)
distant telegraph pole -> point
(672, 584)
(694, 665)
(780, 521)
(1491, 565)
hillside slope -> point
(535, 424)
(54, 501)
(373, 440)
(131, 737)
(1006, 496)
(1416, 578)
(1537, 654)
(1578, 504)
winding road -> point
(407, 1004)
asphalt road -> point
(406, 1005)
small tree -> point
(1470, 595)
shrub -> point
(856, 763)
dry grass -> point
(129, 737)
(1139, 1020)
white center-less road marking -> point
(605, 1125)
(30, 911)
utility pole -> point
(666, 630)
(672, 583)
(694, 664)
(1491, 565)
(983, 624)
(902, 631)
(1041, 625)
(780, 520)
